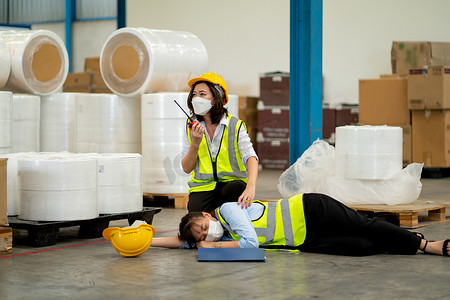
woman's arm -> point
(246, 198)
(167, 242)
(221, 244)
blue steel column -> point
(121, 13)
(70, 17)
(305, 95)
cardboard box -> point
(429, 88)
(273, 122)
(346, 115)
(407, 144)
(6, 236)
(328, 122)
(3, 193)
(383, 101)
(431, 137)
(78, 82)
(273, 153)
(413, 55)
(274, 89)
(98, 85)
(92, 64)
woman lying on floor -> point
(306, 222)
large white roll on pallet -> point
(163, 129)
(6, 106)
(135, 61)
(5, 63)
(57, 187)
(368, 152)
(58, 122)
(26, 123)
(39, 61)
(119, 182)
(233, 105)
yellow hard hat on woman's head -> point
(214, 79)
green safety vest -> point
(226, 166)
(282, 224)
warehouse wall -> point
(246, 38)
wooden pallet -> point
(5, 240)
(407, 215)
(45, 233)
(180, 200)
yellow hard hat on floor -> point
(131, 241)
(213, 78)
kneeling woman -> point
(306, 222)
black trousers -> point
(224, 192)
(334, 228)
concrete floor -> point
(92, 269)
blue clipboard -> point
(231, 255)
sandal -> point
(425, 247)
(444, 247)
(419, 234)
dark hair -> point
(217, 110)
(186, 224)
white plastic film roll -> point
(57, 187)
(5, 63)
(58, 205)
(6, 106)
(57, 173)
(58, 122)
(107, 123)
(233, 105)
(135, 61)
(163, 130)
(39, 61)
(26, 122)
(13, 189)
(368, 152)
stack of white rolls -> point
(26, 122)
(84, 123)
(57, 187)
(119, 182)
(6, 106)
(58, 119)
(368, 152)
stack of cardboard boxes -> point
(273, 121)
(89, 81)
(416, 97)
(5, 231)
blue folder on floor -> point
(231, 255)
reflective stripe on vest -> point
(228, 161)
(282, 223)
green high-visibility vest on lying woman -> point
(281, 223)
(306, 222)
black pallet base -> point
(42, 234)
(428, 172)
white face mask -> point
(215, 231)
(201, 105)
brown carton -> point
(3, 193)
(92, 64)
(431, 137)
(78, 82)
(274, 89)
(383, 101)
(429, 88)
(413, 55)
